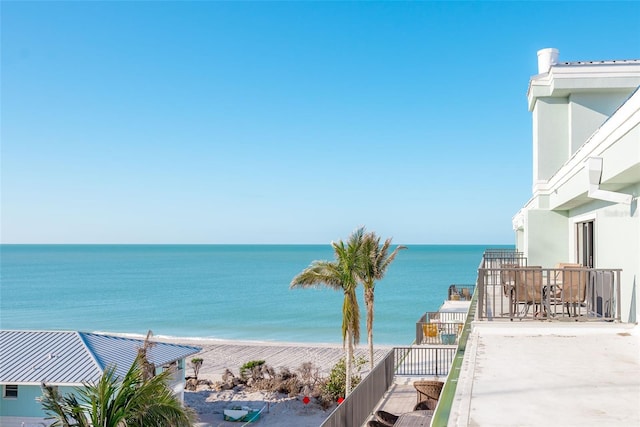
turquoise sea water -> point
(214, 291)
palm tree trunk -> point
(348, 364)
(368, 300)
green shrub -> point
(334, 386)
(250, 368)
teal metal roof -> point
(73, 358)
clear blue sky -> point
(207, 122)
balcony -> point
(439, 328)
(515, 290)
(563, 313)
(460, 292)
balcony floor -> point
(402, 396)
(533, 374)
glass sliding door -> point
(584, 243)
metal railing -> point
(431, 327)
(443, 410)
(496, 258)
(549, 293)
(423, 361)
(438, 333)
(357, 406)
(460, 292)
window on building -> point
(10, 391)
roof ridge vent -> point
(547, 58)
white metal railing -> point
(439, 328)
(424, 361)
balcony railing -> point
(424, 361)
(357, 406)
(439, 328)
(496, 258)
(569, 293)
(460, 292)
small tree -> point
(335, 385)
(196, 364)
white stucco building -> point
(586, 169)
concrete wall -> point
(561, 125)
(548, 238)
(550, 136)
(587, 112)
(519, 237)
(617, 237)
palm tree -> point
(132, 401)
(340, 274)
(375, 260)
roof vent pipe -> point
(547, 58)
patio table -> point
(415, 419)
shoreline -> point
(203, 341)
(228, 354)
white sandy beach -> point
(278, 409)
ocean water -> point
(215, 291)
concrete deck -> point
(549, 374)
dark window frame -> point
(10, 391)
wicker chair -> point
(508, 274)
(428, 389)
(574, 287)
(528, 289)
(427, 404)
(386, 418)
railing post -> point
(481, 291)
(618, 305)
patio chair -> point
(428, 389)
(528, 288)
(508, 275)
(508, 278)
(386, 418)
(429, 332)
(574, 287)
(562, 265)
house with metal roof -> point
(69, 359)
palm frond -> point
(132, 401)
(317, 274)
